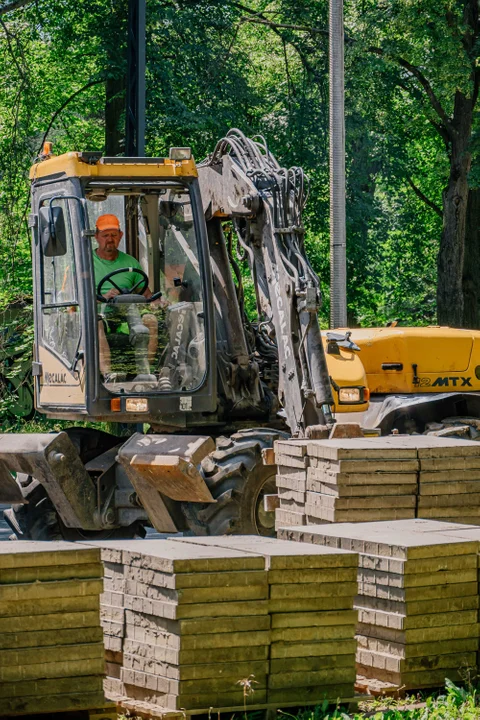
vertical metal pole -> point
(338, 261)
(135, 110)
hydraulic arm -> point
(242, 181)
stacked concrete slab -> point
(112, 618)
(292, 463)
(360, 480)
(417, 598)
(312, 650)
(385, 478)
(51, 649)
(449, 482)
(346, 480)
(195, 624)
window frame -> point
(47, 306)
(122, 189)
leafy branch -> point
(433, 206)
(15, 5)
(416, 73)
(62, 107)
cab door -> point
(60, 376)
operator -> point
(107, 258)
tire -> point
(238, 480)
(38, 519)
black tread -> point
(235, 474)
(36, 519)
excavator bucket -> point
(53, 460)
(169, 464)
(166, 465)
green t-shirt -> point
(125, 281)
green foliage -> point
(262, 66)
(456, 704)
(16, 343)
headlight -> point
(350, 395)
(136, 405)
(180, 153)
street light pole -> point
(135, 105)
(338, 260)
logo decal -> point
(55, 378)
(282, 319)
(443, 382)
(178, 335)
(452, 382)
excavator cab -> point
(126, 358)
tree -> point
(434, 48)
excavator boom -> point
(242, 181)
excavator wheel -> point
(238, 480)
(38, 520)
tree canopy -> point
(412, 129)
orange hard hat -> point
(108, 222)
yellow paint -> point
(446, 359)
(70, 165)
(346, 370)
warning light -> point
(47, 150)
(115, 405)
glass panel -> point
(158, 346)
(114, 204)
(59, 272)
(61, 328)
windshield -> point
(149, 290)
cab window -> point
(61, 324)
(152, 346)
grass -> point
(455, 703)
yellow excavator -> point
(195, 414)
(410, 379)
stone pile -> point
(384, 478)
(292, 463)
(51, 648)
(417, 597)
(209, 619)
(345, 481)
(449, 482)
(312, 650)
(195, 624)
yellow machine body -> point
(75, 164)
(419, 359)
(347, 372)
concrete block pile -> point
(385, 478)
(195, 623)
(311, 591)
(449, 482)
(417, 597)
(51, 642)
(208, 619)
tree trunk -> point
(114, 116)
(471, 274)
(455, 199)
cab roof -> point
(92, 165)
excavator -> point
(195, 417)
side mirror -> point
(52, 231)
